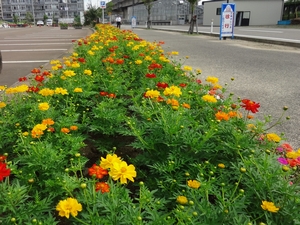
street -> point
(26, 48)
(263, 73)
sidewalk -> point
(271, 35)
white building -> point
(248, 12)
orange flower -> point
(102, 186)
(73, 128)
(65, 130)
(98, 171)
(222, 116)
(48, 121)
(185, 105)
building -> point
(162, 12)
(248, 12)
(53, 9)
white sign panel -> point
(227, 20)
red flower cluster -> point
(150, 75)
(82, 60)
(33, 89)
(162, 85)
(21, 79)
(102, 186)
(153, 66)
(250, 105)
(106, 94)
(35, 70)
(120, 61)
(182, 85)
(98, 171)
(4, 172)
(113, 48)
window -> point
(218, 12)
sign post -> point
(133, 22)
(227, 20)
(103, 6)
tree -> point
(193, 18)
(29, 18)
(91, 15)
(15, 18)
(148, 4)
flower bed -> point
(122, 132)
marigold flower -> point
(68, 206)
(2, 105)
(173, 90)
(152, 94)
(172, 102)
(102, 186)
(123, 172)
(61, 91)
(44, 106)
(73, 127)
(110, 159)
(87, 72)
(69, 73)
(221, 165)
(4, 172)
(46, 92)
(2, 88)
(182, 200)
(212, 80)
(222, 116)
(98, 171)
(22, 79)
(187, 68)
(273, 137)
(48, 122)
(185, 105)
(138, 62)
(193, 184)
(162, 85)
(250, 105)
(150, 75)
(77, 90)
(39, 78)
(65, 130)
(269, 206)
(209, 98)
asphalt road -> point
(268, 74)
(24, 49)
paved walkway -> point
(268, 34)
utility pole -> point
(33, 12)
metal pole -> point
(102, 15)
(33, 12)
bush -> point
(121, 132)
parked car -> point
(49, 22)
(40, 23)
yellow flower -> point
(193, 184)
(212, 80)
(221, 165)
(187, 68)
(67, 63)
(78, 90)
(198, 71)
(182, 200)
(152, 94)
(25, 134)
(87, 72)
(75, 54)
(209, 98)
(53, 62)
(2, 105)
(18, 89)
(75, 65)
(174, 53)
(91, 52)
(217, 86)
(138, 62)
(61, 91)
(123, 172)
(54, 67)
(2, 88)
(44, 106)
(67, 206)
(69, 73)
(173, 90)
(148, 58)
(273, 137)
(269, 206)
(107, 163)
(46, 92)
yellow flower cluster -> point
(46, 92)
(87, 72)
(61, 91)
(38, 130)
(212, 80)
(2, 105)
(193, 184)
(152, 94)
(269, 206)
(209, 98)
(273, 137)
(44, 106)
(118, 169)
(173, 90)
(69, 73)
(68, 206)
(18, 89)
(293, 154)
(182, 200)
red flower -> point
(22, 79)
(111, 95)
(79, 43)
(35, 70)
(33, 89)
(4, 172)
(141, 54)
(154, 66)
(46, 73)
(125, 56)
(102, 186)
(98, 171)
(198, 81)
(51, 129)
(182, 85)
(119, 61)
(82, 60)
(250, 105)
(162, 85)
(39, 78)
(2, 158)
(150, 75)
(103, 93)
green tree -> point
(91, 15)
(193, 18)
(29, 18)
(15, 18)
(45, 18)
(148, 4)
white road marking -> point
(263, 31)
(32, 61)
(34, 50)
(39, 44)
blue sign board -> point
(227, 20)
(103, 4)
